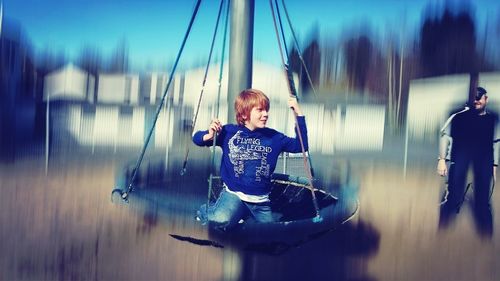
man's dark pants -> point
(483, 171)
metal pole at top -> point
(240, 51)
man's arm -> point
(445, 141)
(496, 144)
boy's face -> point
(258, 118)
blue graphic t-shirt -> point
(249, 157)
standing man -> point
(467, 138)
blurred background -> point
(80, 82)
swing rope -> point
(214, 144)
(193, 123)
(282, 30)
(130, 188)
(299, 51)
(289, 72)
(293, 93)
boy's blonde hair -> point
(247, 100)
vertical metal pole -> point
(116, 132)
(47, 133)
(168, 117)
(405, 159)
(93, 131)
(240, 51)
(285, 154)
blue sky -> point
(154, 29)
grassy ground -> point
(62, 226)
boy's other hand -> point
(294, 105)
(215, 127)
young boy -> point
(250, 151)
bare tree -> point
(448, 44)
(358, 54)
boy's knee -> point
(219, 217)
(266, 219)
(222, 222)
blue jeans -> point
(228, 210)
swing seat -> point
(291, 204)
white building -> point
(118, 89)
(126, 106)
(69, 83)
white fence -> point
(122, 119)
(342, 128)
